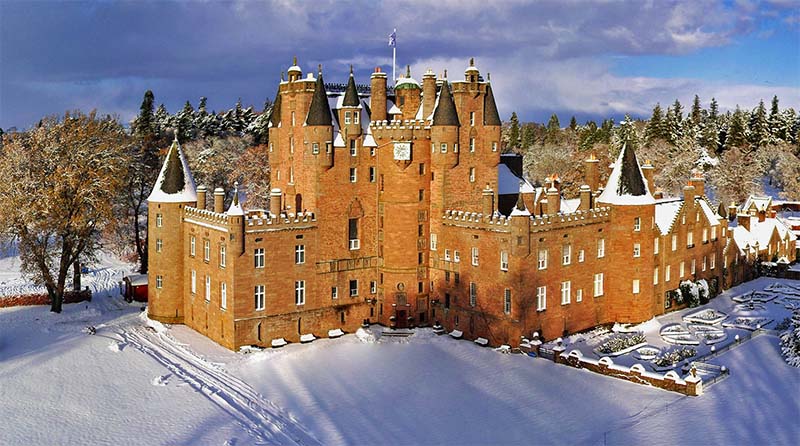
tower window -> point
(353, 175)
(472, 118)
(159, 220)
(352, 234)
(347, 117)
(354, 288)
(258, 258)
(371, 174)
(192, 244)
(258, 295)
(315, 148)
(472, 144)
(471, 174)
(353, 150)
(223, 295)
(299, 292)
(299, 254)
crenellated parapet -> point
(261, 220)
(206, 216)
(497, 222)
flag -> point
(393, 39)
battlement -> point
(397, 124)
(262, 220)
(219, 221)
(495, 222)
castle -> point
(395, 206)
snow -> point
(508, 183)
(141, 382)
(666, 213)
(611, 195)
(187, 194)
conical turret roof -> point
(175, 183)
(445, 113)
(319, 113)
(490, 114)
(350, 92)
(626, 184)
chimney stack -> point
(592, 173)
(553, 201)
(743, 220)
(219, 198)
(201, 197)
(732, 211)
(377, 100)
(428, 93)
(586, 198)
(275, 202)
(699, 183)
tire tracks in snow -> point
(262, 419)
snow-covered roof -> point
(666, 213)
(175, 183)
(761, 204)
(406, 82)
(760, 232)
(508, 183)
(626, 184)
(569, 205)
(711, 214)
(136, 279)
(236, 206)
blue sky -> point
(584, 58)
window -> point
(472, 118)
(223, 295)
(352, 234)
(192, 243)
(683, 219)
(693, 270)
(291, 145)
(666, 273)
(637, 224)
(507, 301)
(580, 256)
(270, 147)
(457, 278)
(503, 260)
(566, 254)
(314, 148)
(291, 174)
(372, 151)
(193, 286)
(705, 235)
(299, 254)
(713, 261)
(443, 148)
(471, 174)
(713, 233)
(689, 239)
(705, 260)
(208, 288)
(334, 292)
(455, 147)
(601, 248)
(353, 150)
(655, 245)
(541, 298)
(159, 281)
(373, 287)
(293, 119)
(635, 286)
(565, 292)
(472, 144)
(447, 255)
(347, 117)
(159, 245)
(674, 242)
(354, 288)
(434, 242)
(356, 116)
(352, 174)
(456, 256)
(258, 294)
(299, 292)
(655, 276)
(637, 250)
(579, 295)
(223, 256)
(681, 270)
(206, 250)
(473, 294)
(696, 216)
(598, 284)
(159, 220)
(258, 258)
(328, 148)
(422, 168)
(542, 259)
(421, 195)
(494, 146)
(474, 256)
(372, 174)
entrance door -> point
(402, 319)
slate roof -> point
(445, 113)
(319, 113)
(490, 114)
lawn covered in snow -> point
(131, 384)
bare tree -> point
(62, 179)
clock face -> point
(402, 151)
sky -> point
(590, 59)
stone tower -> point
(174, 190)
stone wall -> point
(70, 297)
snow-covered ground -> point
(136, 382)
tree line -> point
(740, 151)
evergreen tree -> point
(184, 122)
(513, 131)
(655, 125)
(553, 130)
(673, 131)
(626, 134)
(709, 139)
(697, 111)
(759, 127)
(775, 121)
(786, 126)
(737, 130)
(163, 120)
(144, 122)
(528, 136)
(573, 123)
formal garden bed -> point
(678, 334)
(670, 359)
(621, 344)
(748, 323)
(708, 316)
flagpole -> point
(394, 62)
